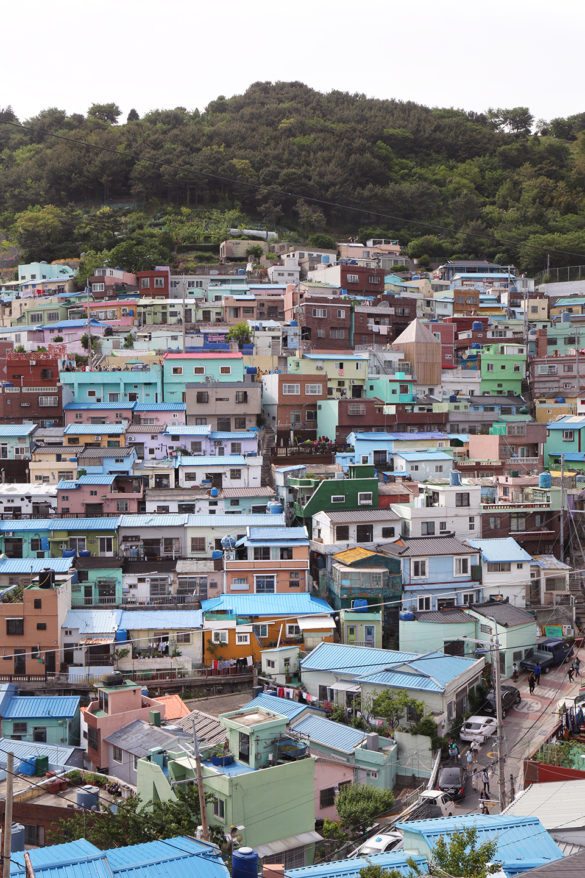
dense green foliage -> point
(443, 181)
(462, 856)
(358, 806)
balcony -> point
(502, 506)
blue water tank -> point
(455, 479)
(241, 271)
(274, 507)
(475, 345)
(324, 259)
(68, 553)
(121, 636)
(453, 397)
(244, 863)
(360, 605)
(17, 837)
(216, 555)
(544, 480)
(28, 766)
(293, 323)
(560, 399)
(228, 542)
(406, 616)
(477, 326)
(214, 492)
(565, 317)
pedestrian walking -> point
(514, 671)
(570, 673)
(475, 779)
(537, 673)
(531, 682)
(469, 759)
(474, 746)
(486, 781)
(577, 665)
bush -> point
(358, 806)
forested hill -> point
(466, 183)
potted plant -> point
(222, 757)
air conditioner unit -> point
(319, 368)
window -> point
(48, 401)
(336, 332)
(260, 630)
(218, 808)
(419, 568)
(265, 584)
(462, 567)
(342, 532)
(159, 283)
(471, 522)
(225, 370)
(498, 566)
(327, 796)
(15, 626)
(353, 278)
(461, 499)
(427, 528)
(144, 283)
(469, 597)
(388, 533)
(116, 754)
(19, 728)
(517, 522)
(293, 630)
(568, 435)
(424, 602)
(242, 638)
(338, 498)
(320, 312)
(294, 579)
(291, 389)
(235, 447)
(313, 389)
(262, 553)
(41, 626)
(202, 397)
(177, 370)
(494, 522)
(38, 604)
(235, 474)
(197, 544)
(442, 527)
(184, 637)
(364, 498)
(219, 636)
(93, 740)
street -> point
(525, 727)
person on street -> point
(475, 779)
(577, 665)
(514, 671)
(486, 781)
(531, 682)
(570, 673)
(474, 746)
(469, 759)
(537, 673)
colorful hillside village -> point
(271, 537)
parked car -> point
(478, 728)
(510, 698)
(379, 844)
(548, 654)
(451, 780)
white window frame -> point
(320, 312)
(568, 435)
(286, 391)
(293, 630)
(424, 602)
(365, 498)
(424, 575)
(460, 561)
(242, 639)
(219, 636)
(313, 389)
(338, 498)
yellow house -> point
(346, 373)
(52, 463)
(96, 435)
(546, 410)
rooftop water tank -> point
(241, 271)
(544, 480)
(228, 542)
(88, 797)
(121, 636)
(477, 326)
(360, 605)
(565, 317)
(244, 863)
(455, 479)
(406, 616)
(324, 259)
(274, 507)
(214, 492)
(216, 555)
(17, 837)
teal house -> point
(52, 719)
(133, 383)
(15, 441)
(190, 368)
(97, 584)
(391, 388)
(565, 436)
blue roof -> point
(66, 524)
(105, 406)
(267, 604)
(342, 356)
(17, 429)
(94, 429)
(35, 565)
(160, 406)
(505, 549)
(41, 707)
(96, 480)
(522, 841)
(73, 324)
(567, 422)
(208, 460)
(429, 454)
(188, 429)
(237, 523)
(243, 434)
(282, 534)
(411, 437)
(90, 621)
(332, 734)
(58, 754)
(570, 457)
(283, 706)
(153, 520)
(156, 619)
(67, 485)
(351, 868)
(28, 524)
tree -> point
(132, 116)
(322, 240)
(85, 341)
(358, 806)
(105, 113)
(129, 341)
(255, 252)
(393, 705)
(461, 856)
(241, 333)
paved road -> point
(525, 727)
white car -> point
(478, 728)
(379, 844)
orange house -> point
(269, 560)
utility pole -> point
(7, 839)
(562, 522)
(184, 318)
(204, 826)
(499, 717)
(89, 353)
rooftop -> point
(332, 734)
(205, 356)
(283, 706)
(413, 547)
(351, 868)
(139, 737)
(504, 613)
(504, 550)
(266, 604)
(157, 619)
(41, 707)
(92, 429)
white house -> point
(231, 471)
(423, 465)
(343, 528)
(28, 499)
(505, 570)
(441, 509)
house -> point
(89, 637)
(199, 500)
(182, 369)
(290, 404)
(424, 353)
(229, 471)
(135, 741)
(98, 412)
(331, 491)
(100, 495)
(505, 569)
(155, 282)
(437, 572)
(280, 665)
(376, 449)
(172, 637)
(335, 530)
(71, 333)
(33, 388)
(203, 440)
(99, 582)
(502, 368)
(326, 323)
(133, 383)
(515, 628)
(346, 374)
(522, 842)
(224, 405)
(50, 463)
(549, 582)
(442, 682)
(441, 508)
(247, 793)
(519, 445)
(204, 533)
(152, 537)
(22, 571)
(422, 465)
(270, 560)
(101, 461)
(443, 630)
(16, 441)
(107, 282)
(96, 436)
(30, 500)
(357, 279)
(360, 577)
(49, 719)
(116, 706)
(565, 436)
(361, 627)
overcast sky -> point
(149, 54)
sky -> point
(147, 55)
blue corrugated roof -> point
(106, 523)
(188, 429)
(90, 621)
(153, 520)
(266, 604)
(96, 480)
(72, 324)
(28, 524)
(403, 680)
(237, 523)
(429, 454)
(66, 485)
(283, 706)
(505, 549)
(209, 460)
(282, 534)
(351, 868)
(94, 429)
(17, 429)
(34, 565)
(325, 731)
(58, 755)
(411, 437)
(243, 434)
(570, 456)
(520, 840)
(41, 706)
(567, 422)
(156, 619)
(160, 406)
(105, 406)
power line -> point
(125, 154)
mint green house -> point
(201, 368)
(269, 799)
(502, 369)
(359, 490)
(134, 383)
(361, 629)
(15, 441)
(52, 719)
(431, 631)
(97, 585)
(391, 388)
(566, 436)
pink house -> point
(99, 495)
(98, 412)
(330, 774)
(162, 414)
(116, 706)
(70, 333)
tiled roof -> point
(188, 429)
(357, 515)
(260, 491)
(504, 613)
(175, 707)
(41, 706)
(266, 604)
(350, 556)
(204, 356)
(505, 549)
(97, 406)
(416, 546)
(102, 452)
(449, 616)
(58, 754)
(325, 731)
(208, 728)
(145, 428)
(428, 454)
(96, 480)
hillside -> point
(443, 181)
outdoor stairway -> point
(576, 590)
(267, 444)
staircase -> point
(576, 590)
(267, 443)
